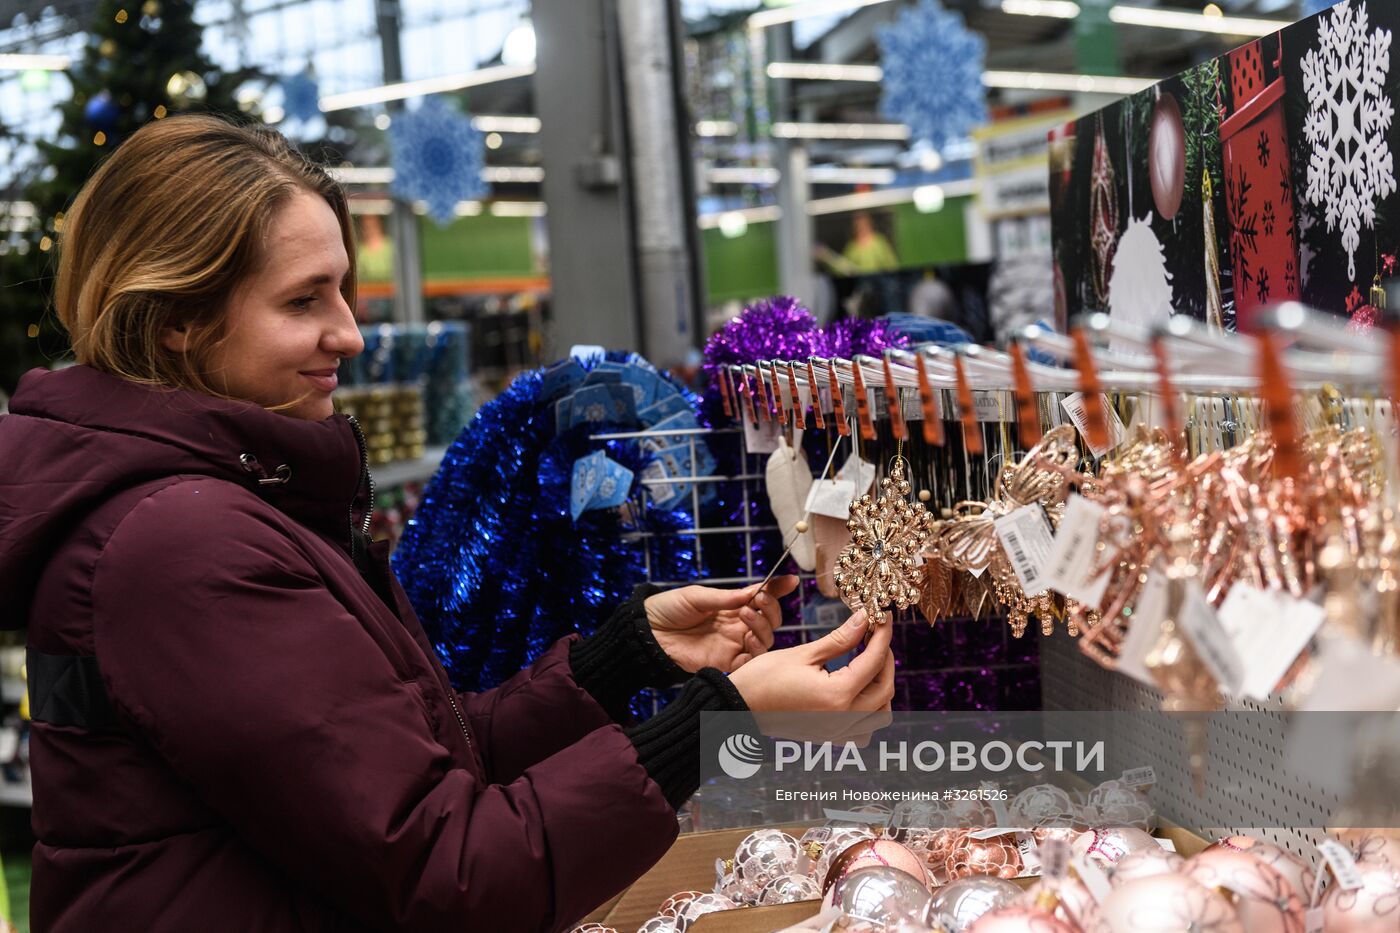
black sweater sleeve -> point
(623, 656)
(668, 744)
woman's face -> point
(288, 324)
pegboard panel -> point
(1250, 797)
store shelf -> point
(409, 471)
(18, 794)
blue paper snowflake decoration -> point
(933, 74)
(301, 96)
(437, 158)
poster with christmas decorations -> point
(1261, 176)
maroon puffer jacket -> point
(236, 728)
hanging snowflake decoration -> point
(437, 158)
(881, 564)
(1351, 166)
(933, 74)
(301, 96)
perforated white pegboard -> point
(1259, 798)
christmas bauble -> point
(880, 895)
(786, 889)
(1372, 908)
(1043, 805)
(662, 925)
(1167, 904)
(1072, 902)
(997, 856)
(1166, 156)
(838, 840)
(1297, 872)
(1108, 844)
(592, 928)
(730, 886)
(101, 111)
(1378, 846)
(870, 853)
(1265, 901)
(764, 855)
(699, 906)
(1114, 803)
(1144, 863)
(957, 904)
(1019, 918)
(672, 905)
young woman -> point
(238, 722)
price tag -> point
(1269, 629)
(1199, 622)
(1313, 920)
(1072, 554)
(831, 497)
(1030, 854)
(1026, 538)
(1139, 777)
(912, 407)
(1165, 843)
(1093, 877)
(1343, 865)
(1054, 858)
(857, 472)
(1074, 407)
(1144, 628)
(762, 439)
(990, 407)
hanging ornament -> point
(1166, 154)
(301, 96)
(881, 564)
(101, 112)
(1215, 305)
(437, 158)
(1103, 219)
(186, 89)
(932, 74)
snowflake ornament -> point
(933, 74)
(301, 96)
(1351, 166)
(437, 158)
(881, 564)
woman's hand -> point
(702, 626)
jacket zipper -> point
(367, 479)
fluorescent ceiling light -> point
(733, 225)
(712, 128)
(742, 175)
(1194, 22)
(844, 175)
(518, 174)
(519, 47)
(17, 62)
(1052, 81)
(787, 14)
(424, 87)
(750, 215)
(817, 71)
(1058, 9)
(886, 198)
(892, 131)
(486, 123)
(518, 209)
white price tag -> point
(1269, 629)
(1144, 628)
(1343, 865)
(857, 472)
(1030, 854)
(762, 439)
(991, 407)
(1313, 920)
(832, 498)
(1072, 554)
(1074, 407)
(1139, 777)
(1093, 877)
(1165, 843)
(910, 405)
(1026, 538)
(1198, 621)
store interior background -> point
(651, 166)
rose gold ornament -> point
(787, 889)
(1378, 845)
(880, 566)
(1144, 863)
(997, 856)
(1018, 918)
(1109, 844)
(661, 925)
(699, 906)
(1265, 901)
(592, 928)
(874, 852)
(1294, 870)
(824, 847)
(672, 905)
(764, 855)
(1167, 904)
(1372, 908)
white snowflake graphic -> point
(1351, 166)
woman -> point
(238, 722)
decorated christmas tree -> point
(142, 62)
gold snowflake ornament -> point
(881, 565)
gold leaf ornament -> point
(881, 566)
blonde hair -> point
(165, 231)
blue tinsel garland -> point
(492, 562)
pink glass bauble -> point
(662, 925)
(1294, 870)
(1073, 902)
(997, 856)
(672, 905)
(880, 895)
(764, 855)
(1378, 846)
(1144, 863)
(838, 840)
(786, 889)
(1166, 156)
(699, 906)
(1018, 919)
(1167, 904)
(1114, 803)
(1108, 844)
(1372, 908)
(592, 928)
(958, 903)
(875, 852)
(731, 887)
(1043, 805)
(1264, 899)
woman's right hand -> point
(796, 680)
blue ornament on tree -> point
(101, 112)
(301, 96)
(437, 158)
(933, 74)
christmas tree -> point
(142, 62)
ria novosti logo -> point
(741, 756)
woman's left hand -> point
(702, 626)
